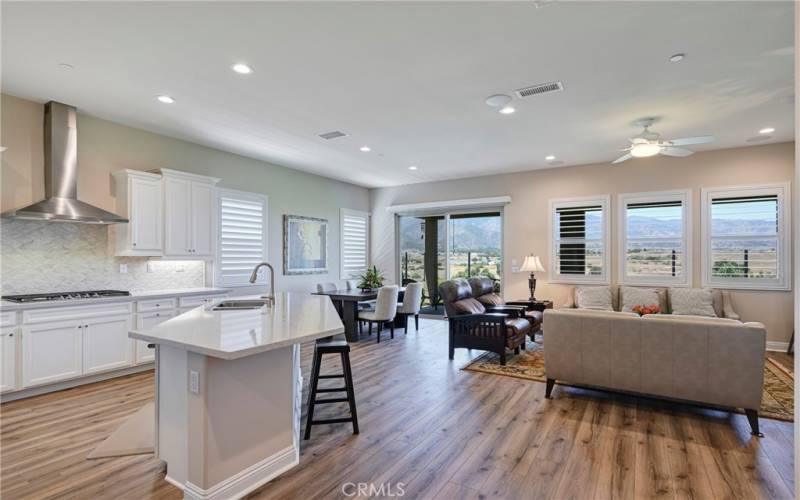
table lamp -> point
(532, 264)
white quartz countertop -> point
(296, 317)
(134, 296)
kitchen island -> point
(229, 391)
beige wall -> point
(526, 218)
(104, 147)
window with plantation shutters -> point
(655, 238)
(354, 241)
(242, 237)
(746, 237)
(579, 237)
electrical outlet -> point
(123, 268)
(179, 267)
(194, 382)
(149, 266)
(515, 269)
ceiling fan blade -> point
(680, 152)
(685, 141)
(622, 158)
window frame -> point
(605, 204)
(352, 212)
(248, 196)
(624, 199)
(784, 259)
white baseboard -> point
(244, 482)
(777, 346)
(75, 382)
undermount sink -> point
(230, 305)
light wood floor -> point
(442, 432)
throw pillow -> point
(635, 296)
(692, 302)
(594, 297)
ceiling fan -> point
(650, 143)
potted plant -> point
(370, 280)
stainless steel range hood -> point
(61, 174)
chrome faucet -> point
(271, 297)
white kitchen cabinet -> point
(51, 352)
(145, 321)
(106, 345)
(189, 214)
(8, 358)
(202, 220)
(177, 219)
(139, 198)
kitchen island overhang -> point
(229, 392)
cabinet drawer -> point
(155, 305)
(198, 300)
(80, 313)
(8, 318)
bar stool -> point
(336, 345)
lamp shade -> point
(532, 264)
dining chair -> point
(352, 284)
(326, 287)
(412, 302)
(384, 312)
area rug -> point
(136, 436)
(777, 403)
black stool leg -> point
(416, 322)
(391, 326)
(379, 331)
(351, 393)
(312, 391)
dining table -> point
(346, 302)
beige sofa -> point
(713, 361)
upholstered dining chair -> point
(327, 287)
(352, 284)
(412, 302)
(384, 312)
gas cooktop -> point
(47, 297)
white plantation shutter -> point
(354, 229)
(655, 238)
(579, 240)
(242, 236)
(746, 233)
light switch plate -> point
(194, 382)
(123, 268)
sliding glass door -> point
(437, 247)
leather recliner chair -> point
(476, 326)
(483, 291)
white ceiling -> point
(410, 79)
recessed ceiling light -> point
(412, 167)
(677, 57)
(242, 68)
(766, 130)
(365, 149)
(498, 100)
(507, 110)
(64, 65)
(165, 99)
(550, 158)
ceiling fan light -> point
(643, 150)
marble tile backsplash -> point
(59, 256)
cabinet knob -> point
(158, 314)
(86, 326)
(134, 244)
(158, 305)
(10, 334)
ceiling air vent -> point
(332, 135)
(543, 88)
